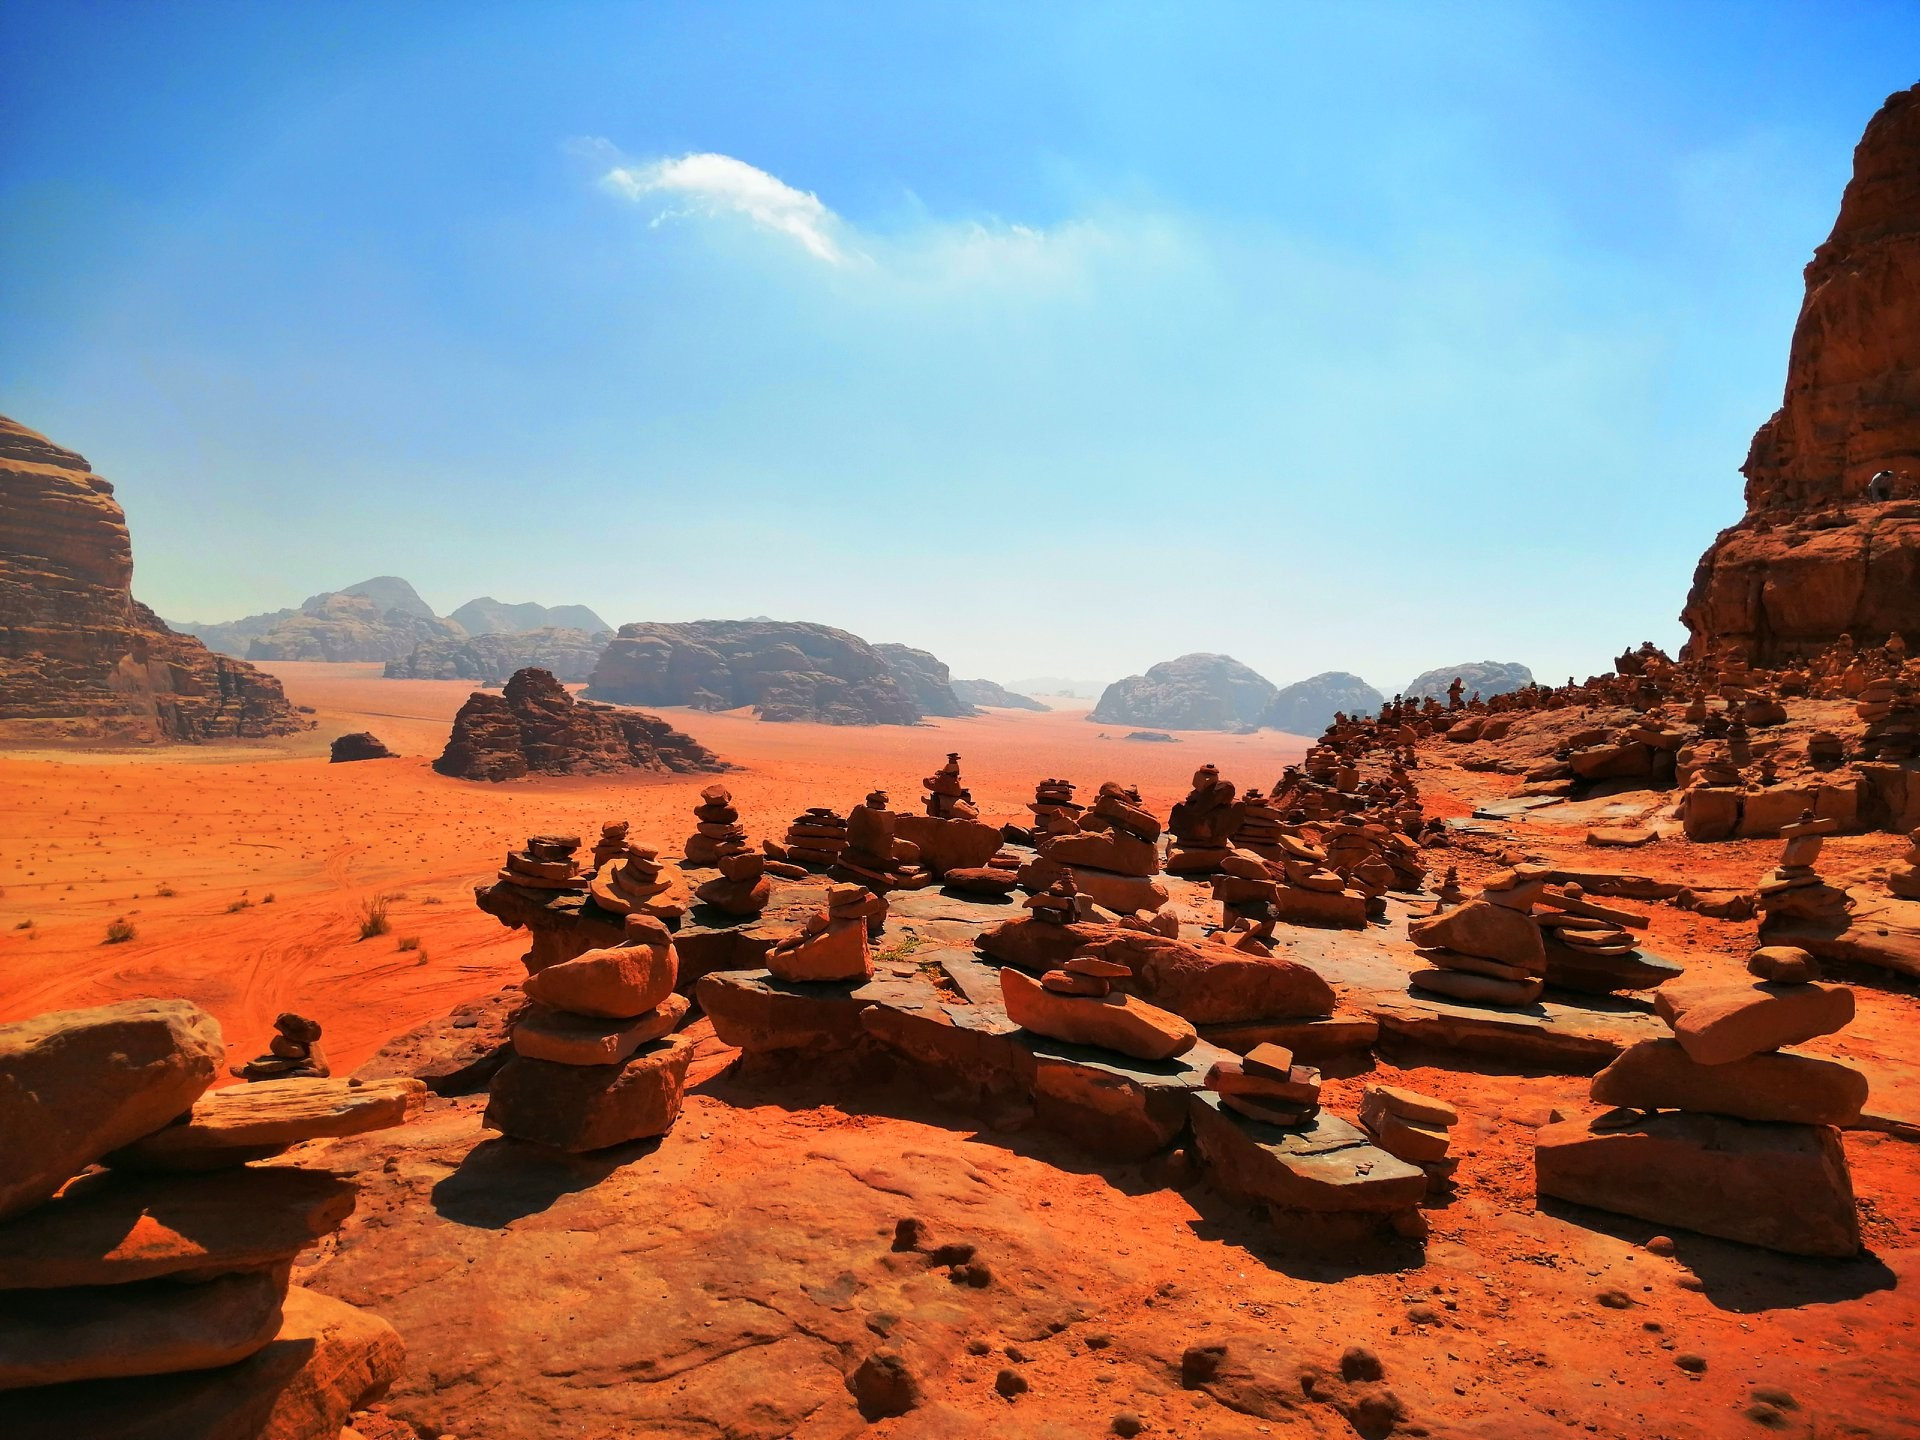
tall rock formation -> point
(1192, 692)
(80, 658)
(1830, 544)
(1308, 706)
(534, 727)
(926, 678)
(786, 670)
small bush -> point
(267, 899)
(373, 917)
(24, 925)
(119, 932)
(164, 891)
(407, 942)
(432, 900)
(236, 906)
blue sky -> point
(1053, 339)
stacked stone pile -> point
(814, 839)
(1111, 1020)
(1489, 950)
(1203, 825)
(294, 1053)
(1589, 946)
(595, 1061)
(742, 887)
(1261, 826)
(1054, 809)
(152, 1297)
(631, 881)
(613, 842)
(1265, 1084)
(717, 830)
(874, 856)
(1719, 1128)
(1060, 904)
(547, 863)
(1113, 856)
(1892, 715)
(832, 945)
(1412, 1127)
(1793, 891)
(1904, 879)
(1246, 887)
(947, 798)
(1311, 891)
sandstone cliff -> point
(1826, 548)
(80, 658)
(569, 655)
(1485, 678)
(1308, 706)
(1193, 692)
(785, 670)
(378, 619)
(994, 696)
(926, 678)
(534, 727)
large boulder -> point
(536, 727)
(77, 1084)
(1796, 1089)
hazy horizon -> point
(1369, 339)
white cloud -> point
(710, 185)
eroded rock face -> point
(568, 654)
(80, 658)
(1485, 677)
(785, 670)
(1193, 692)
(926, 678)
(535, 726)
(1308, 706)
(995, 696)
(377, 619)
(1825, 550)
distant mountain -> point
(378, 619)
(1488, 677)
(924, 677)
(488, 616)
(569, 655)
(1193, 692)
(388, 592)
(1306, 707)
(1055, 685)
(995, 697)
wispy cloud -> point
(709, 184)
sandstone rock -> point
(1329, 1165)
(993, 696)
(1103, 850)
(360, 745)
(580, 1108)
(1411, 1105)
(1193, 692)
(616, 984)
(837, 952)
(377, 619)
(112, 1230)
(545, 1034)
(1784, 1187)
(75, 1084)
(1484, 989)
(1717, 1022)
(486, 616)
(152, 1327)
(251, 1122)
(1113, 1022)
(947, 845)
(456, 1054)
(1660, 1075)
(1492, 932)
(925, 678)
(758, 1013)
(80, 658)
(535, 727)
(1210, 984)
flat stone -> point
(75, 1084)
(546, 1034)
(1108, 850)
(111, 1229)
(838, 953)
(581, 1108)
(1337, 909)
(949, 844)
(1797, 1089)
(1478, 989)
(325, 1361)
(1783, 1187)
(1411, 1105)
(1569, 968)
(1326, 1165)
(456, 1054)
(1479, 927)
(1562, 1038)
(1718, 1022)
(1317, 1040)
(616, 983)
(251, 1122)
(1117, 1022)
(150, 1327)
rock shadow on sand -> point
(503, 1180)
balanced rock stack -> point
(1261, 826)
(1054, 810)
(1904, 879)
(294, 1053)
(1888, 706)
(947, 798)
(1793, 892)
(595, 1062)
(1313, 892)
(1487, 951)
(1588, 946)
(1719, 1129)
(999, 876)
(742, 887)
(1373, 857)
(1413, 1128)
(1266, 1085)
(547, 863)
(874, 856)
(1245, 887)
(1060, 904)
(814, 839)
(832, 945)
(1113, 856)
(630, 882)
(1110, 1019)
(717, 831)
(1203, 825)
(152, 1298)
(613, 842)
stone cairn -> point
(1489, 950)
(1078, 1003)
(139, 1294)
(628, 879)
(1203, 825)
(1060, 904)
(595, 1062)
(1310, 891)
(1588, 945)
(717, 831)
(815, 839)
(1793, 892)
(832, 945)
(947, 798)
(1113, 856)
(293, 1053)
(742, 888)
(1054, 810)
(1265, 1084)
(547, 863)
(873, 856)
(1892, 717)
(1904, 879)
(1412, 1127)
(1246, 887)
(1261, 826)
(1718, 1129)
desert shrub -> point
(407, 942)
(164, 891)
(119, 932)
(373, 917)
(234, 907)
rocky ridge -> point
(926, 678)
(567, 653)
(535, 727)
(488, 616)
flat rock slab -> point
(1514, 805)
(1782, 1187)
(113, 1229)
(1882, 933)
(154, 1327)
(456, 1054)
(75, 1084)
(250, 1122)
(1328, 1165)
(326, 1360)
